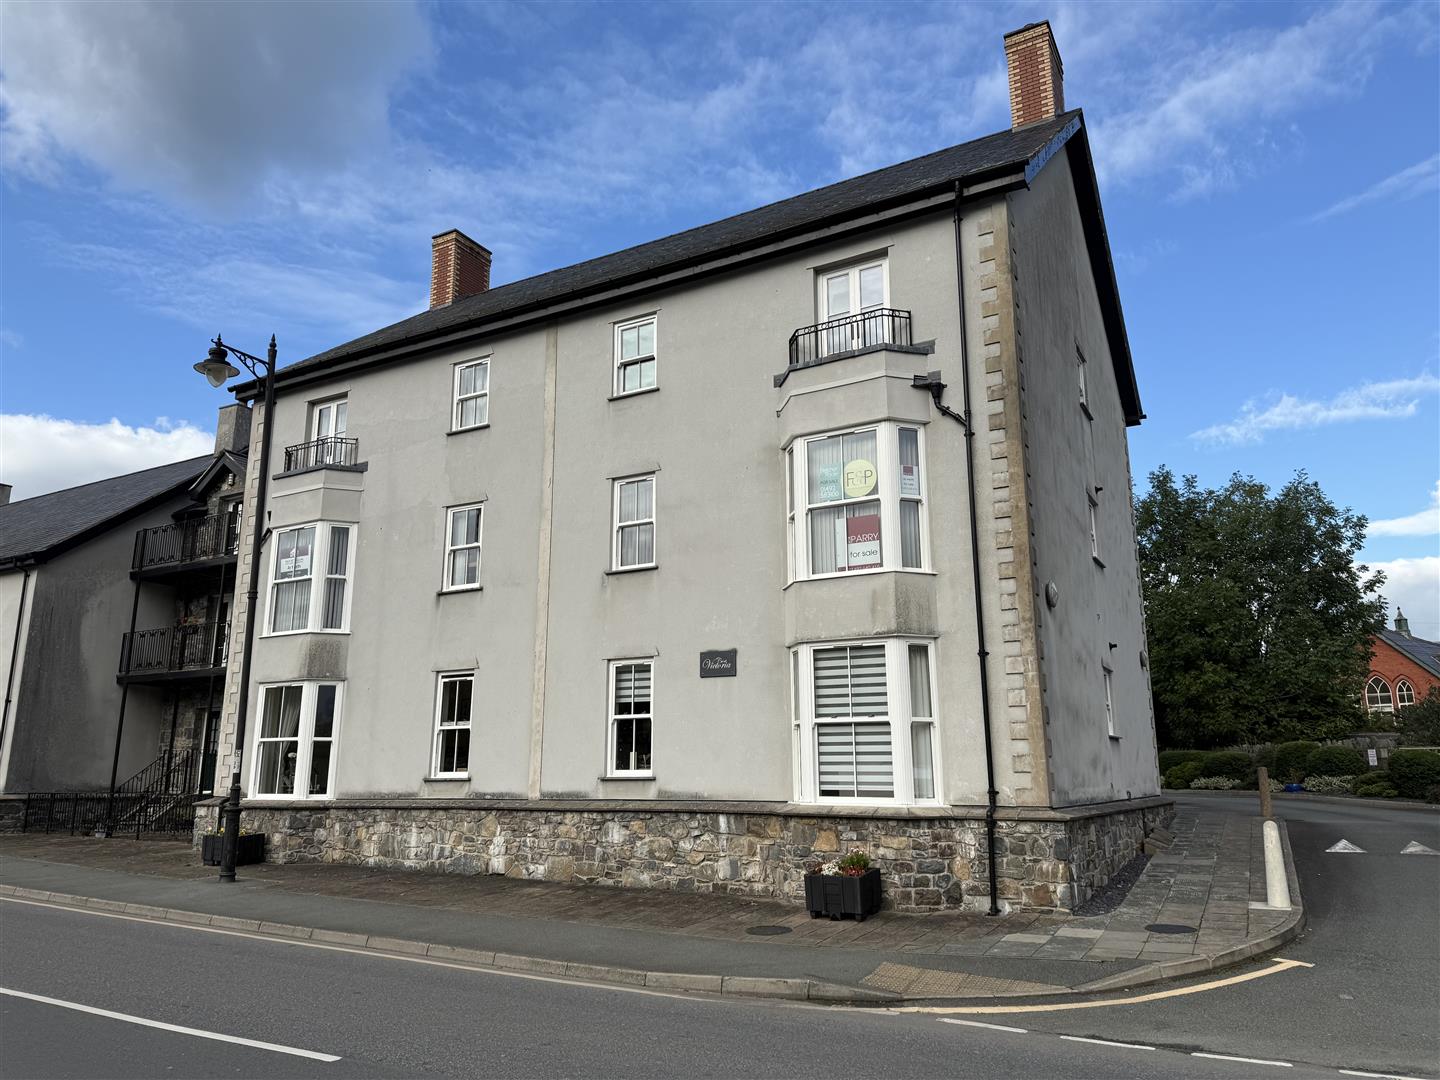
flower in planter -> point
(855, 864)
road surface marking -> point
(1277, 965)
(1247, 1061)
(1107, 1042)
(1345, 847)
(981, 1024)
(127, 1018)
(1417, 848)
(1378, 1076)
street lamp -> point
(217, 369)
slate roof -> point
(42, 526)
(1425, 653)
(1000, 154)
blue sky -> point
(1270, 175)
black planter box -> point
(837, 895)
(250, 850)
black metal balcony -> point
(330, 451)
(850, 333)
(182, 543)
(169, 652)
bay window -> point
(865, 722)
(862, 497)
(295, 739)
(310, 579)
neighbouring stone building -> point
(805, 530)
(138, 567)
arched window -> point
(1404, 694)
(1377, 695)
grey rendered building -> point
(801, 531)
(114, 630)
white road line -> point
(1107, 1042)
(1247, 1061)
(1378, 1076)
(178, 1029)
(981, 1024)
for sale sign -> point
(862, 542)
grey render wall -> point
(714, 431)
(62, 734)
(1065, 453)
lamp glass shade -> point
(216, 367)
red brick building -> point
(1403, 668)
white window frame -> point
(457, 399)
(318, 576)
(1092, 506)
(446, 584)
(887, 464)
(617, 381)
(305, 739)
(834, 341)
(334, 404)
(1108, 678)
(898, 715)
(1404, 693)
(442, 678)
(613, 718)
(652, 521)
(1084, 382)
(1386, 706)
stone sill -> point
(673, 806)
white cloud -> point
(1419, 179)
(1413, 586)
(1421, 523)
(11, 339)
(201, 101)
(44, 453)
(1395, 399)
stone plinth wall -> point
(12, 812)
(1045, 860)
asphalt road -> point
(1368, 1004)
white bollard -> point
(1277, 885)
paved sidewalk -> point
(1198, 892)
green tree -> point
(1259, 619)
(1420, 723)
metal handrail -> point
(868, 329)
(329, 450)
(213, 536)
(174, 648)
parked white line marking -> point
(1417, 848)
(1378, 1076)
(1106, 1042)
(177, 1028)
(1247, 1061)
(981, 1024)
(1345, 847)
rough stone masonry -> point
(1045, 859)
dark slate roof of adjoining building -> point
(1425, 653)
(999, 154)
(39, 527)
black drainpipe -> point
(932, 383)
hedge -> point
(1235, 764)
(1170, 758)
(1292, 761)
(1375, 785)
(1181, 775)
(1335, 761)
(1414, 772)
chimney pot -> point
(458, 267)
(1037, 78)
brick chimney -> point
(458, 267)
(5, 490)
(1037, 78)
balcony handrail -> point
(180, 647)
(324, 451)
(848, 333)
(213, 536)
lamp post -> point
(217, 368)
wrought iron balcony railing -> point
(868, 329)
(215, 536)
(331, 450)
(170, 649)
